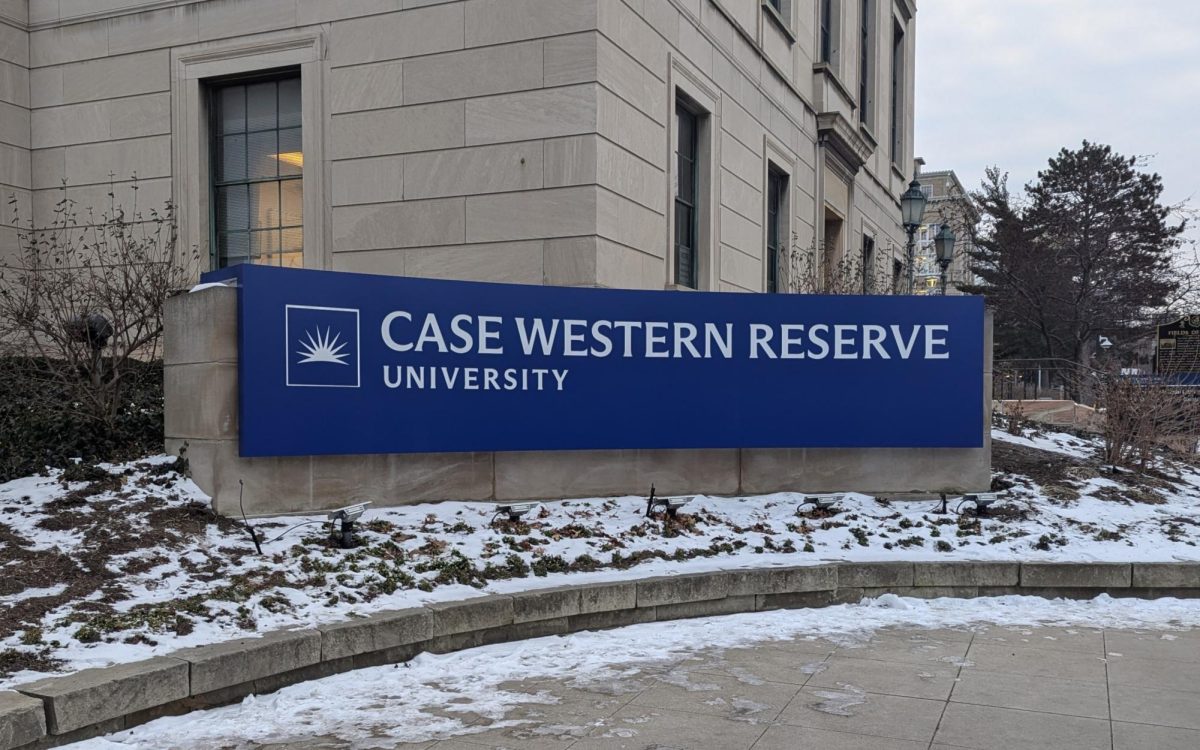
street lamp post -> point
(944, 243)
(912, 209)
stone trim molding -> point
(59, 710)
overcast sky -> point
(1010, 82)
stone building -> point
(948, 204)
(726, 145)
(620, 143)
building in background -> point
(705, 144)
(950, 204)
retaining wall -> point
(59, 710)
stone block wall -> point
(504, 140)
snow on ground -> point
(432, 696)
(1055, 442)
(125, 563)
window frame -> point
(777, 213)
(866, 67)
(898, 93)
(191, 67)
(825, 31)
(685, 111)
(868, 262)
(687, 83)
(212, 89)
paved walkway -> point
(999, 689)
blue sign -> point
(343, 363)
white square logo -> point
(321, 347)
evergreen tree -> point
(1088, 253)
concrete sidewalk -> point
(995, 689)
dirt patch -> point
(1043, 467)
(122, 531)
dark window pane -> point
(231, 106)
(687, 181)
(260, 155)
(289, 103)
(232, 208)
(291, 203)
(687, 133)
(233, 248)
(686, 188)
(231, 159)
(261, 106)
(264, 205)
(291, 152)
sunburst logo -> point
(324, 347)
(321, 347)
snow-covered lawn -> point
(435, 697)
(126, 563)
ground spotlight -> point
(514, 511)
(982, 501)
(347, 516)
(671, 505)
(825, 501)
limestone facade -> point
(529, 141)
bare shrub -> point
(81, 309)
(1142, 415)
(805, 270)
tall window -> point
(826, 31)
(686, 196)
(897, 92)
(868, 263)
(776, 224)
(257, 162)
(777, 5)
(866, 47)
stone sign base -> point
(201, 392)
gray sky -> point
(1010, 82)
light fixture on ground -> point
(671, 504)
(912, 210)
(347, 516)
(513, 511)
(824, 501)
(981, 500)
(944, 244)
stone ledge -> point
(467, 615)
(97, 701)
(544, 604)
(22, 719)
(874, 574)
(1166, 575)
(794, 580)
(1076, 575)
(95, 695)
(966, 574)
(224, 665)
(681, 589)
(377, 632)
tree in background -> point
(1088, 251)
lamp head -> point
(944, 243)
(912, 206)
